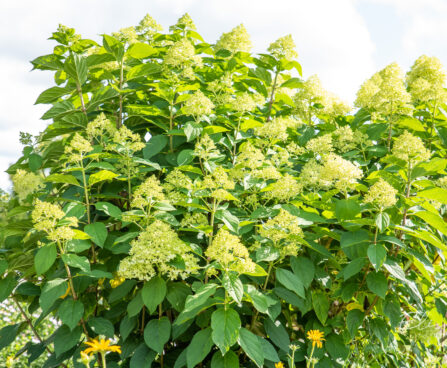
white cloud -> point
(332, 41)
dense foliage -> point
(194, 204)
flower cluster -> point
(340, 173)
(99, 127)
(154, 253)
(246, 102)
(148, 27)
(182, 54)
(149, 192)
(381, 194)
(198, 105)
(205, 148)
(282, 230)
(426, 80)
(384, 93)
(283, 48)
(334, 171)
(320, 145)
(46, 216)
(126, 35)
(411, 149)
(127, 140)
(185, 22)
(192, 219)
(276, 129)
(312, 99)
(236, 40)
(77, 148)
(284, 189)
(230, 253)
(26, 183)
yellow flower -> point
(117, 281)
(279, 365)
(101, 346)
(317, 337)
(26, 183)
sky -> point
(343, 41)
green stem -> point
(171, 126)
(272, 95)
(311, 356)
(81, 98)
(235, 138)
(210, 239)
(103, 359)
(120, 116)
(84, 182)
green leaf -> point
(391, 309)
(143, 357)
(304, 269)
(277, 333)
(45, 258)
(143, 70)
(154, 146)
(157, 333)
(337, 348)
(260, 301)
(76, 67)
(65, 339)
(269, 350)
(62, 178)
(225, 324)
(177, 294)
(8, 334)
(52, 290)
(192, 130)
(74, 260)
(229, 360)
(115, 47)
(436, 194)
(382, 221)
(135, 305)
(109, 209)
(354, 320)
(380, 329)
(7, 285)
(347, 209)
(353, 268)
(233, 286)
(102, 326)
(70, 312)
(58, 110)
(140, 50)
(185, 157)
(101, 96)
(153, 293)
(199, 347)
(34, 161)
(320, 303)
(292, 83)
(433, 220)
(3, 266)
(251, 345)
(377, 255)
(267, 254)
(290, 281)
(97, 232)
(214, 129)
(377, 283)
(101, 176)
(52, 94)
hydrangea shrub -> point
(193, 204)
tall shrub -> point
(193, 204)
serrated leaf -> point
(153, 293)
(45, 258)
(225, 323)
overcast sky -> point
(343, 41)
